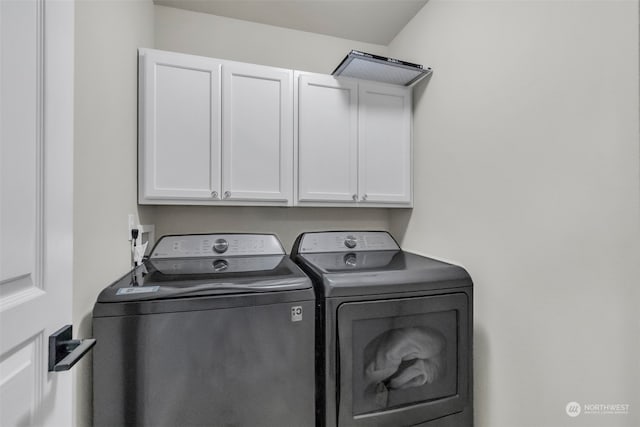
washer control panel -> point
(220, 246)
(215, 265)
(211, 245)
(346, 241)
(350, 241)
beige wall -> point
(286, 223)
(108, 34)
(208, 35)
(527, 172)
(219, 37)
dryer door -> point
(403, 361)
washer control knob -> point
(220, 265)
(351, 260)
(350, 242)
(220, 246)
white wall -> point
(527, 172)
(108, 33)
(208, 35)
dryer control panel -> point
(346, 241)
(212, 245)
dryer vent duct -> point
(381, 69)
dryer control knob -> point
(350, 242)
(220, 246)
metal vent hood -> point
(367, 66)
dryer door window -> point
(402, 361)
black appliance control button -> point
(351, 260)
(220, 265)
(350, 242)
(220, 246)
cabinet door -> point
(179, 139)
(384, 149)
(327, 139)
(257, 136)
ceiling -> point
(370, 21)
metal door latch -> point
(65, 352)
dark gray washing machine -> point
(394, 333)
(211, 330)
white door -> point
(257, 133)
(179, 137)
(327, 139)
(384, 149)
(36, 206)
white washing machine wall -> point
(393, 333)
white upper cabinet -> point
(353, 142)
(179, 127)
(217, 132)
(257, 136)
(384, 118)
(327, 149)
(214, 132)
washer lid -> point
(180, 278)
(207, 265)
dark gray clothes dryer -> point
(211, 330)
(393, 333)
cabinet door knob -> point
(354, 197)
(364, 197)
(227, 194)
(214, 194)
